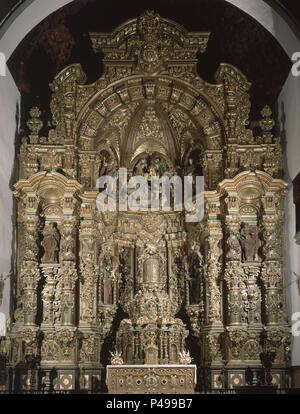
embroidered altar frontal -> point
(151, 379)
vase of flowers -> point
(185, 358)
(116, 358)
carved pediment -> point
(150, 44)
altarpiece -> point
(149, 284)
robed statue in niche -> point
(193, 264)
(249, 242)
(152, 166)
(51, 243)
(108, 165)
(107, 282)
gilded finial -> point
(35, 124)
(267, 124)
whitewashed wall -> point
(9, 99)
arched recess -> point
(180, 112)
(197, 114)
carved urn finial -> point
(149, 26)
(267, 124)
(35, 124)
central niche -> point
(159, 273)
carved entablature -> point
(250, 193)
(53, 192)
(151, 45)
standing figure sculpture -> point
(249, 242)
(195, 260)
(109, 167)
(51, 243)
(107, 283)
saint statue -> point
(107, 282)
(153, 169)
(190, 169)
(51, 243)
(249, 242)
(193, 265)
(141, 168)
(109, 167)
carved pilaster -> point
(271, 240)
(89, 270)
(233, 278)
(29, 277)
(271, 277)
(212, 270)
(251, 295)
(232, 230)
(272, 267)
(50, 294)
(68, 278)
(88, 298)
(233, 271)
(30, 241)
(68, 239)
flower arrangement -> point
(116, 358)
(185, 358)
